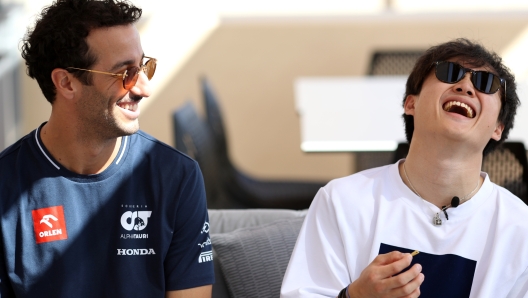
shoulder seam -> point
(13, 147)
(152, 139)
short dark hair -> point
(476, 55)
(58, 39)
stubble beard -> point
(99, 117)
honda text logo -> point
(135, 252)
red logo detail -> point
(49, 224)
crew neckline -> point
(64, 172)
(430, 210)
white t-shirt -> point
(481, 251)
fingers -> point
(390, 257)
(406, 282)
(401, 284)
(392, 263)
(384, 277)
(411, 289)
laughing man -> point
(470, 235)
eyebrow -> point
(125, 63)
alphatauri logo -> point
(135, 220)
(49, 224)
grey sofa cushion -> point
(253, 260)
(228, 220)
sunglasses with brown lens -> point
(131, 74)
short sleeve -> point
(189, 259)
(317, 267)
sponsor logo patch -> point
(135, 252)
(205, 257)
(204, 244)
(49, 224)
(133, 236)
(205, 228)
(135, 220)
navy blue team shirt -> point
(138, 229)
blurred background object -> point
(227, 186)
(254, 51)
(10, 88)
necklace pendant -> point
(437, 221)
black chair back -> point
(192, 137)
(241, 189)
(508, 167)
(214, 119)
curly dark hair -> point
(58, 39)
(476, 55)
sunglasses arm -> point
(116, 75)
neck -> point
(438, 176)
(76, 152)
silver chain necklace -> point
(437, 221)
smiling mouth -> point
(131, 106)
(459, 108)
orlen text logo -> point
(135, 220)
(49, 224)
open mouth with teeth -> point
(459, 108)
(131, 106)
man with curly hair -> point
(91, 206)
(431, 224)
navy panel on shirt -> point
(445, 275)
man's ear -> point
(497, 133)
(64, 83)
(408, 106)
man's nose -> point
(465, 85)
(142, 87)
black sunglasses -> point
(483, 81)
